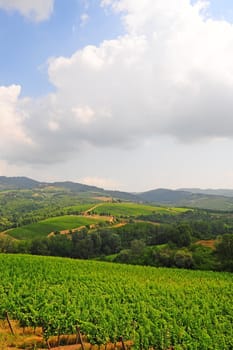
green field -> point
(134, 209)
(43, 228)
(67, 222)
(154, 308)
(79, 208)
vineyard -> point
(44, 227)
(135, 209)
(152, 308)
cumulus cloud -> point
(170, 74)
(36, 10)
(13, 135)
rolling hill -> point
(188, 199)
(213, 199)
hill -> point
(19, 183)
(165, 196)
(188, 199)
(210, 191)
(16, 183)
(194, 198)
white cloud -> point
(13, 135)
(170, 74)
(36, 10)
(84, 114)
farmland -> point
(43, 228)
(158, 308)
(150, 307)
(132, 233)
(103, 211)
(135, 209)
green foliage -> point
(183, 259)
(183, 235)
(203, 258)
(155, 308)
(224, 251)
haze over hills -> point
(191, 197)
(216, 192)
(20, 183)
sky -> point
(121, 94)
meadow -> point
(155, 308)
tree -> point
(183, 259)
(137, 247)
(184, 235)
(224, 251)
(40, 247)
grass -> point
(43, 228)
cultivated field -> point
(134, 209)
(92, 214)
(153, 308)
(43, 228)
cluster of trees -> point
(169, 255)
(82, 245)
(136, 243)
(204, 224)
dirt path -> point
(111, 218)
(92, 208)
(120, 224)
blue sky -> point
(147, 105)
(222, 9)
(28, 45)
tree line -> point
(170, 245)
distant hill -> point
(75, 186)
(188, 199)
(21, 182)
(209, 191)
(27, 183)
(165, 196)
(197, 198)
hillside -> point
(73, 220)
